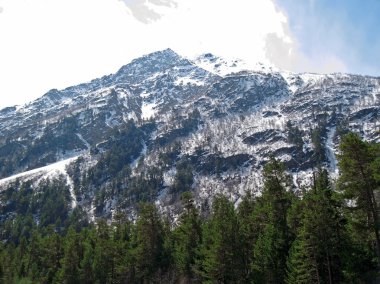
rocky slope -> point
(163, 124)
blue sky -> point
(348, 29)
(55, 44)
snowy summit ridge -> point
(216, 117)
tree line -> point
(327, 233)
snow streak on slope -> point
(333, 163)
(52, 170)
(88, 146)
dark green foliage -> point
(294, 135)
(186, 126)
(248, 235)
(359, 181)
(140, 188)
(187, 237)
(11, 153)
(148, 244)
(58, 137)
(317, 136)
(124, 146)
(274, 235)
(342, 127)
(183, 179)
(277, 237)
(111, 176)
(316, 254)
(49, 202)
(220, 251)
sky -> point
(46, 44)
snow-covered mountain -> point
(132, 136)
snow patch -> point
(223, 66)
(131, 115)
(311, 77)
(148, 110)
(291, 80)
(52, 170)
(143, 153)
(333, 163)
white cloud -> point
(286, 55)
(232, 29)
(142, 10)
(54, 44)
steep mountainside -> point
(164, 124)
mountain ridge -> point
(162, 114)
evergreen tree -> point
(52, 253)
(70, 263)
(294, 135)
(248, 235)
(122, 245)
(148, 244)
(274, 237)
(302, 263)
(316, 254)
(187, 237)
(103, 265)
(87, 263)
(220, 250)
(183, 179)
(359, 183)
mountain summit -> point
(164, 124)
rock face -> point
(163, 124)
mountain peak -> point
(150, 63)
(224, 66)
(131, 134)
(166, 54)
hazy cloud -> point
(1, 9)
(286, 55)
(145, 11)
(279, 52)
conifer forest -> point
(325, 233)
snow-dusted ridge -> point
(241, 117)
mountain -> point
(164, 124)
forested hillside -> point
(326, 232)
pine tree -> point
(358, 181)
(70, 263)
(187, 237)
(274, 237)
(52, 253)
(103, 265)
(248, 235)
(302, 265)
(220, 249)
(122, 245)
(148, 244)
(87, 263)
(316, 253)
